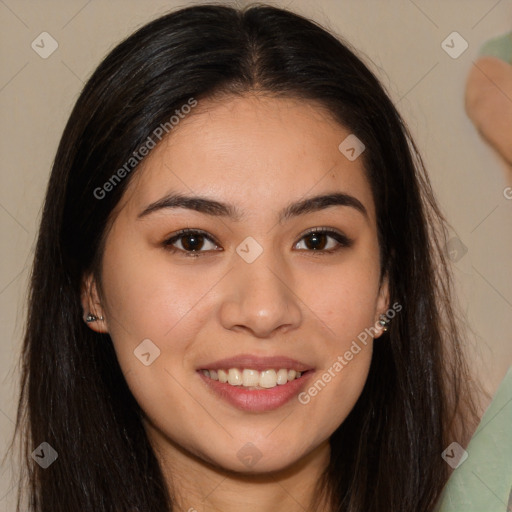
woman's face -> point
(252, 287)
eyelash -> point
(343, 241)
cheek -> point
(344, 300)
(344, 297)
(335, 389)
(146, 297)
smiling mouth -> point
(250, 379)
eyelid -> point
(187, 231)
(342, 240)
(328, 231)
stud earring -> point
(92, 318)
(384, 321)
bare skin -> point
(258, 154)
(489, 103)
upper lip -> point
(257, 363)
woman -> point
(240, 297)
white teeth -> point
(235, 377)
(253, 379)
(282, 376)
(250, 378)
(268, 379)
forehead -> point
(253, 151)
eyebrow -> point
(219, 209)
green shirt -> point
(483, 481)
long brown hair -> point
(386, 456)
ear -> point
(382, 305)
(91, 303)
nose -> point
(259, 298)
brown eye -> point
(192, 242)
(316, 241)
(325, 240)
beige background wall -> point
(402, 42)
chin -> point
(249, 460)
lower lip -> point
(257, 400)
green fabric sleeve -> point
(499, 47)
(483, 481)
